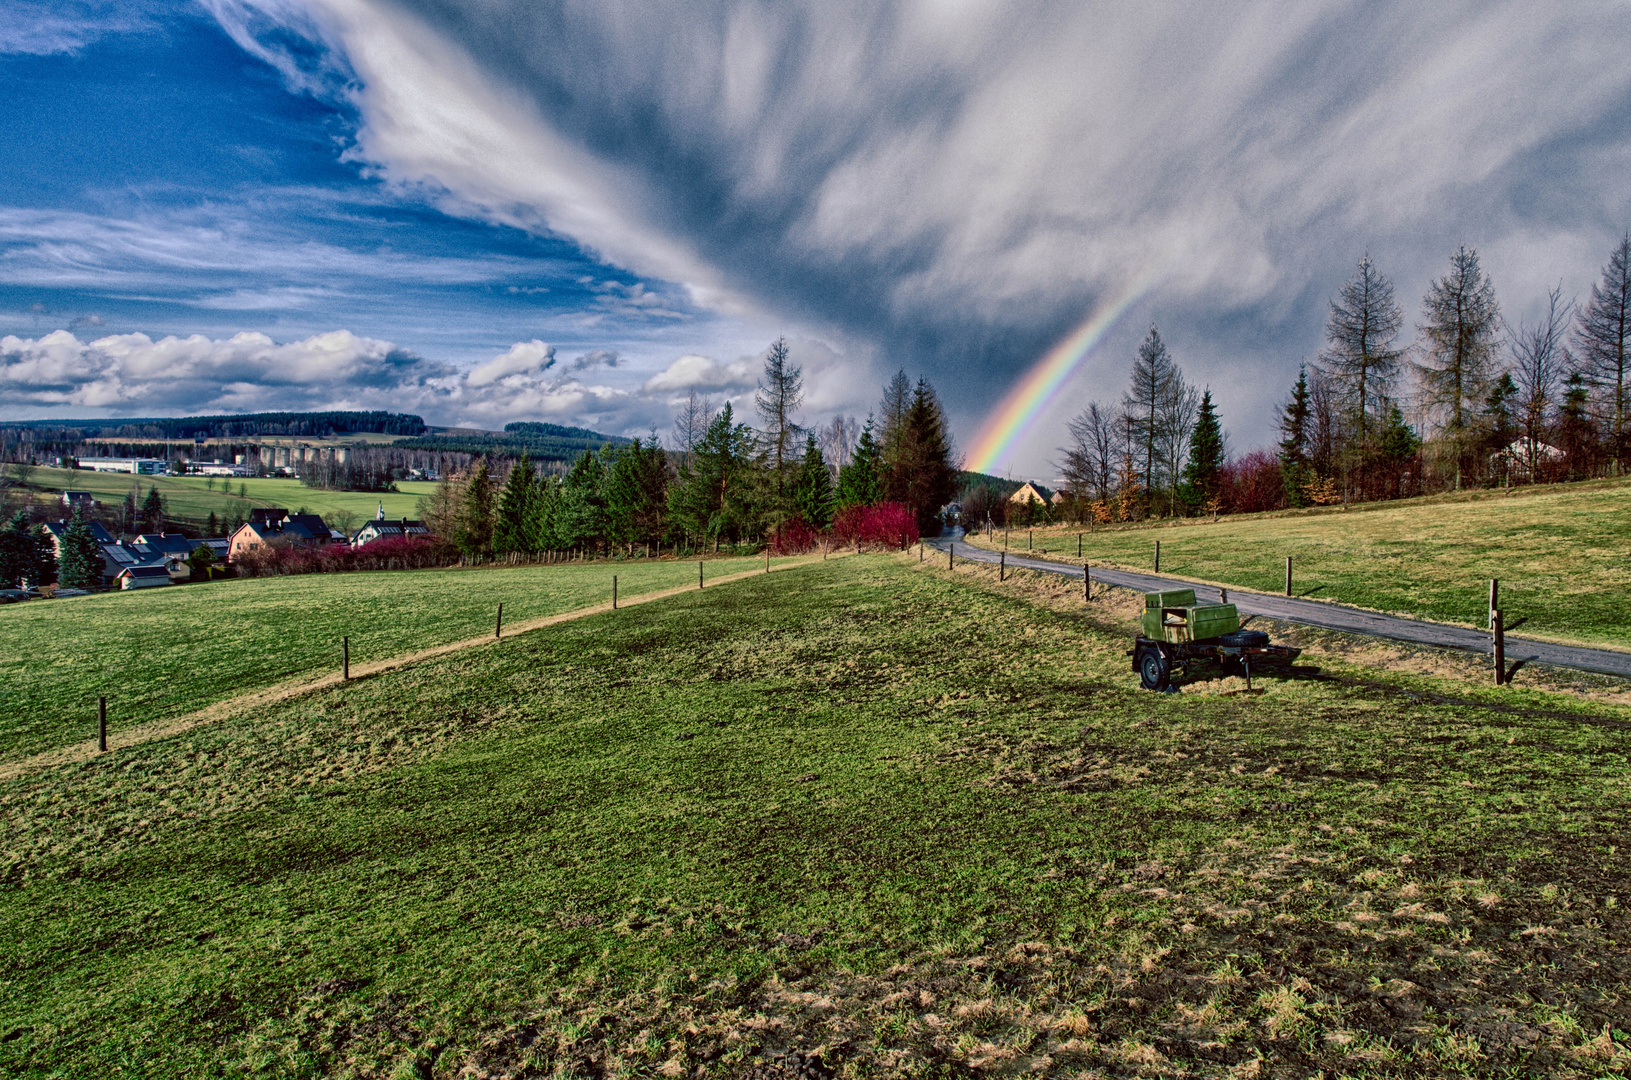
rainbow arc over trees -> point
(1014, 415)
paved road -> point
(1329, 616)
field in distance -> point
(856, 819)
(1560, 553)
(192, 499)
(156, 653)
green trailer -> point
(1177, 631)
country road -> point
(1326, 615)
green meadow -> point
(1562, 554)
(191, 499)
(859, 818)
(157, 653)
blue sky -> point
(507, 210)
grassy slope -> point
(855, 818)
(156, 653)
(187, 499)
(1561, 554)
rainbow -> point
(1014, 414)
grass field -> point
(856, 819)
(187, 498)
(1562, 554)
(156, 653)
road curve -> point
(1326, 615)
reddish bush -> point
(395, 553)
(795, 537)
(887, 525)
(1252, 483)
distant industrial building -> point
(143, 466)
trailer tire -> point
(1154, 669)
(1244, 639)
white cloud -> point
(701, 373)
(525, 361)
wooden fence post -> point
(1030, 539)
(1225, 598)
(1002, 566)
(1500, 647)
(1288, 575)
(1158, 556)
(102, 724)
(1078, 545)
(920, 551)
(951, 554)
(1087, 582)
(345, 659)
(767, 558)
(498, 627)
(699, 573)
(1494, 599)
(614, 592)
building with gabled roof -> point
(273, 525)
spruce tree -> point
(1603, 338)
(473, 532)
(17, 557)
(1462, 328)
(212, 526)
(580, 517)
(153, 510)
(860, 482)
(79, 566)
(1360, 354)
(1295, 472)
(780, 393)
(1154, 372)
(510, 531)
(931, 478)
(1205, 452)
(712, 496)
(637, 493)
(812, 488)
(891, 437)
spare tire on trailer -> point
(1243, 639)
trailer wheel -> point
(1244, 639)
(1154, 670)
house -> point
(59, 529)
(142, 577)
(165, 544)
(274, 525)
(1514, 458)
(1032, 492)
(78, 500)
(381, 529)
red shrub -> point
(1252, 483)
(890, 526)
(395, 553)
(795, 537)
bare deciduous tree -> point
(1538, 361)
(1090, 461)
(691, 423)
(1603, 340)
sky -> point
(493, 210)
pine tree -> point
(510, 532)
(890, 436)
(813, 497)
(79, 566)
(1152, 386)
(1205, 452)
(1603, 338)
(1294, 421)
(859, 482)
(779, 395)
(212, 526)
(473, 532)
(1360, 355)
(1462, 325)
(153, 511)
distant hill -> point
(967, 480)
(545, 442)
(228, 426)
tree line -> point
(1472, 400)
(722, 482)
